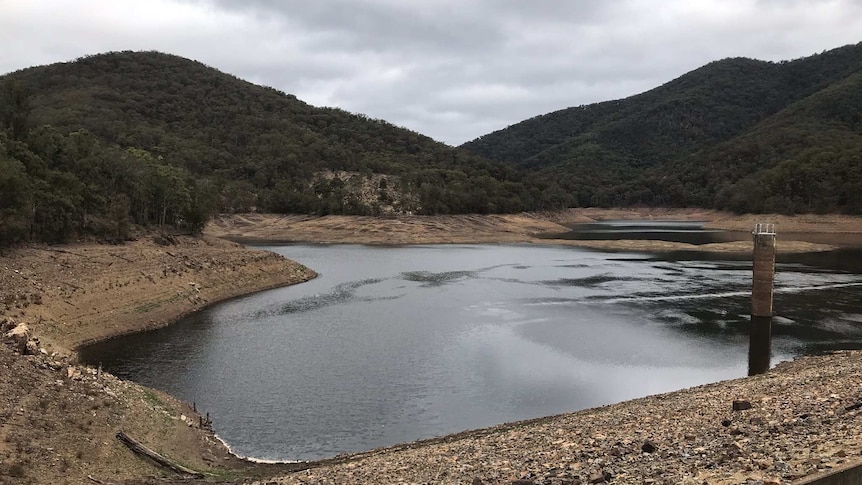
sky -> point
(450, 69)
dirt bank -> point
(76, 294)
(797, 234)
(505, 228)
(58, 419)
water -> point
(393, 344)
(690, 232)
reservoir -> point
(394, 344)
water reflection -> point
(689, 232)
(394, 344)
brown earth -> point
(77, 294)
(503, 228)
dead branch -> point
(140, 449)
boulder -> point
(32, 347)
(19, 337)
(740, 405)
(6, 324)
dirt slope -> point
(74, 294)
(500, 228)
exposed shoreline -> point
(65, 415)
(79, 294)
(797, 234)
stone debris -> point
(741, 405)
(648, 447)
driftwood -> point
(140, 449)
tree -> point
(15, 107)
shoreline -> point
(798, 234)
(803, 422)
(75, 295)
(66, 414)
(194, 275)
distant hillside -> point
(708, 139)
(157, 139)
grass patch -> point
(153, 399)
(147, 307)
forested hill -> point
(739, 134)
(150, 138)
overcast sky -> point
(450, 69)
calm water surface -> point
(393, 344)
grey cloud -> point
(451, 69)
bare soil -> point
(505, 228)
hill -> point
(143, 137)
(708, 139)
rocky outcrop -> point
(19, 336)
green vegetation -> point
(738, 134)
(91, 146)
(98, 145)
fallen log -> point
(140, 449)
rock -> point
(756, 421)
(520, 481)
(741, 405)
(6, 324)
(725, 422)
(648, 447)
(19, 337)
(31, 347)
(73, 373)
(477, 481)
(600, 477)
